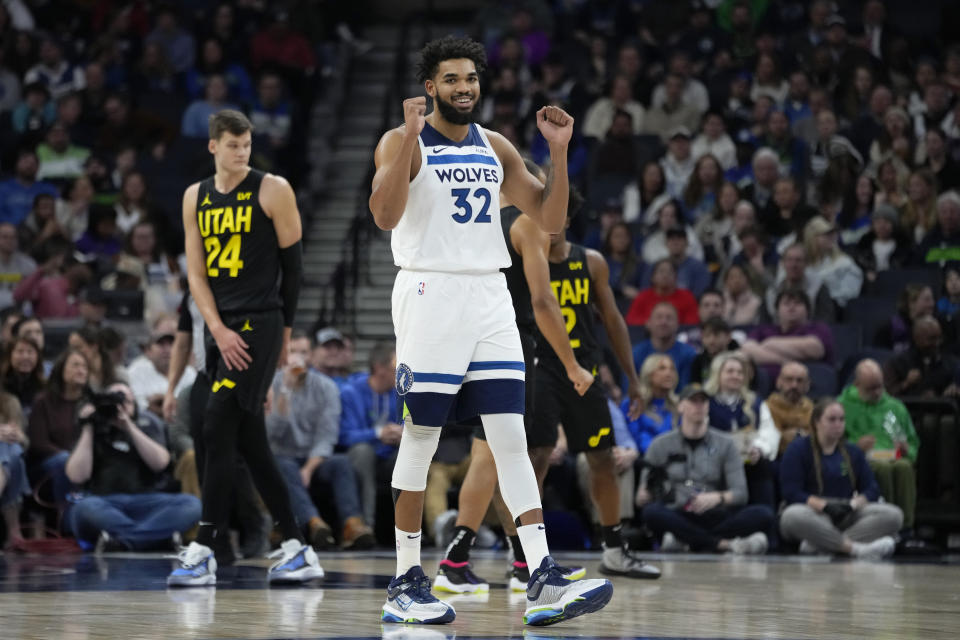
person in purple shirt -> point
(17, 193)
(794, 337)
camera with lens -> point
(106, 408)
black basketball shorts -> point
(263, 333)
(585, 419)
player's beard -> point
(454, 116)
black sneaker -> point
(458, 577)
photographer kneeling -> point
(119, 457)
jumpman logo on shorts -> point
(246, 326)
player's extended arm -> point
(615, 326)
(231, 345)
(546, 203)
(533, 245)
(280, 203)
(397, 159)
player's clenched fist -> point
(414, 114)
(555, 124)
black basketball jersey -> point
(240, 247)
(516, 280)
(571, 283)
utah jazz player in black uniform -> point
(579, 278)
(244, 261)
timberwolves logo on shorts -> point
(404, 379)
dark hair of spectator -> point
(110, 338)
(300, 334)
(709, 292)
(157, 252)
(6, 366)
(449, 48)
(229, 121)
(910, 293)
(818, 410)
(40, 197)
(715, 324)
(796, 294)
(696, 188)
(381, 353)
(55, 384)
(93, 337)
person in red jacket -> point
(663, 289)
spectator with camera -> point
(693, 488)
(831, 493)
(120, 457)
(303, 425)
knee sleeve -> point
(417, 446)
(508, 444)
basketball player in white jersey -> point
(437, 186)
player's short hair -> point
(449, 48)
(229, 121)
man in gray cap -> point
(332, 355)
(693, 488)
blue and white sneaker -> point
(298, 563)
(198, 567)
(552, 598)
(409, 600)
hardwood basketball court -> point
(699, 596)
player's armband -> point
(291, 262)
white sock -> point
(408, 550)
(533, 539)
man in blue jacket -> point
(369, 424)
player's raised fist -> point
(555, 124)
(414, 114)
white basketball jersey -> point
(452, 220)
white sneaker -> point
(409, 601)
(198, 567)
(298, 563)
(877, 550)
(552, 598)
(670, 544)
(753, 545)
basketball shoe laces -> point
(418, 589)
(191, 556)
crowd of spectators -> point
(775, 188)
(755, 174)
(103, 124)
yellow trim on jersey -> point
(226, 382)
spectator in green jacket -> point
(880, 425)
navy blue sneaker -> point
(409, 600)
(552, 598)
